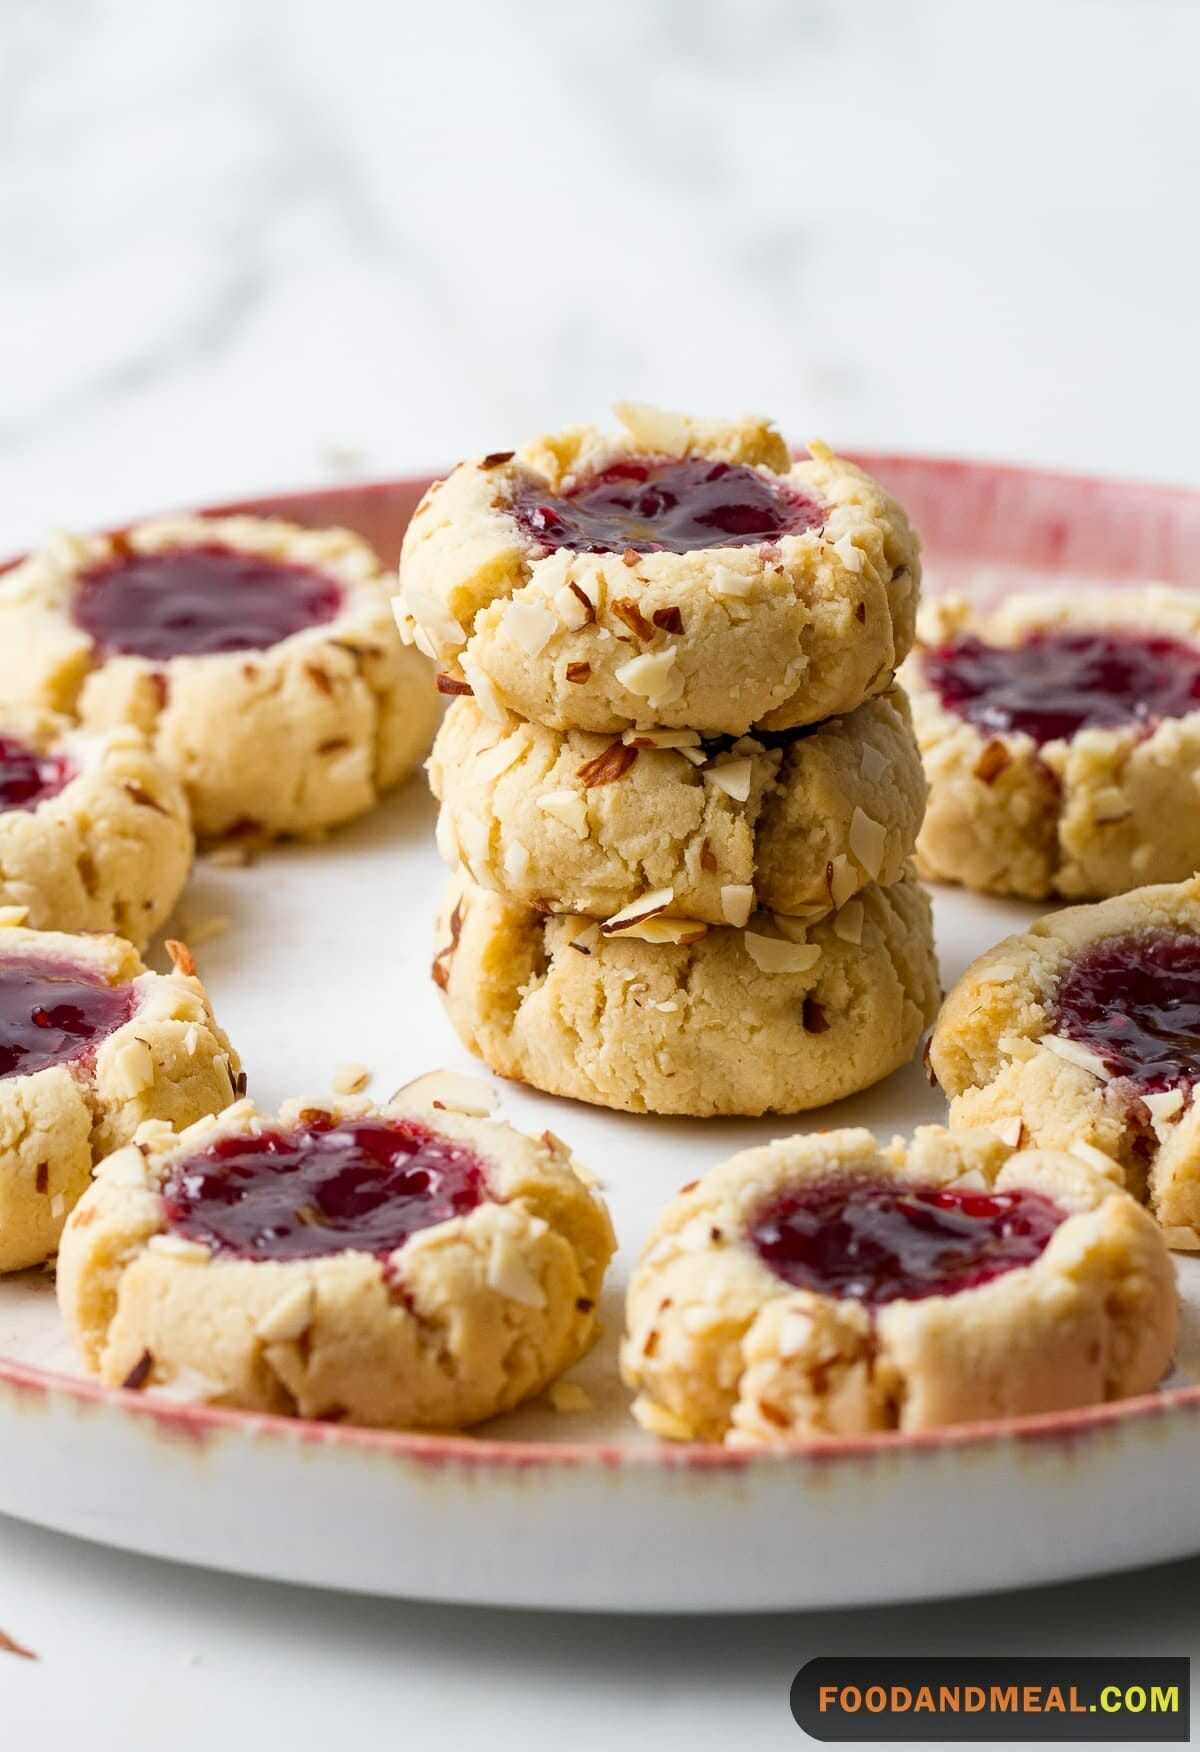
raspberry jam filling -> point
(1135, 1002)
(1060, 682)
(663, 505)
(878, 1241)
(52, 1012)
(28, 778)
(199, 602)
(365, 1184)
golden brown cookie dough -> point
(772, 634)
(777, 1018)
(288, 739)
(155, 1053)
(464, 1318)
(573, 822)
(104, 844)
(720, 1346)
(1006, 1057)
(1084, 817)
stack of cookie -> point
(680, 789)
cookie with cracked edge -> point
(681, 573)
(830, 1286)
(408, 1265)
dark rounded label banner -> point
(994, 1697)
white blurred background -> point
(257, 243)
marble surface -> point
(266, 242)
(259, 243)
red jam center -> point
(200, 601)
(663, 506)
(27, 778)
(366, 1185)
(1135, 1002)
(1057, 683)
(878, 1241)
(51, 1013)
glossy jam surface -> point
(51, 1013)
(366, 1185)
(1057, 683)
(1135, 1002)
(663, 506)
(200, 601)
(28, 778)
(879, 1241)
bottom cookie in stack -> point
(654, 1014)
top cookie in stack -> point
(684, 757)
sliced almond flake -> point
(179, 1247)
(569, 1396)
(737, 902)
(570, 609)
(486, 697)
(446, 839)
(795, 925)
(474, 837)
(843, 883)
(1010, 1131)
(874, 765)
(973, 1180)
(851, 557)
(659, 1421)
(657, 901)
(661, 738)
(288, 1318)
(776, 955)
(732, 777)
(131, 1069)
(529, 625)
(13, 915)
(652, 676)
(1096, 1158)
(668, 1006)
(1164, 1105)
(431, 614)
(587, 939)
(350, 1079)
(450, 1092)
(508, 1273)
(497, 759)
(726, 582)
(58, 1206)
(998, 974)
(661, 929)
(697, 756)
(569, 808)
(848, 922)
(868, 842)
(1075, 1054)
(191, 1039)
(1180, 1239)
(1017, 1046)
(414, 634)
(123, 1167)
(516, 861)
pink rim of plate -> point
(1121, 531)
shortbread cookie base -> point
(1088, 818)
(471, 1316)
(169, 1062)
(111, 851)
(287, 740)
(774, 635)
(995, 1054)
(695, 1028)
(573, 822)
(718, 1348)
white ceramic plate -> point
(325, 961)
